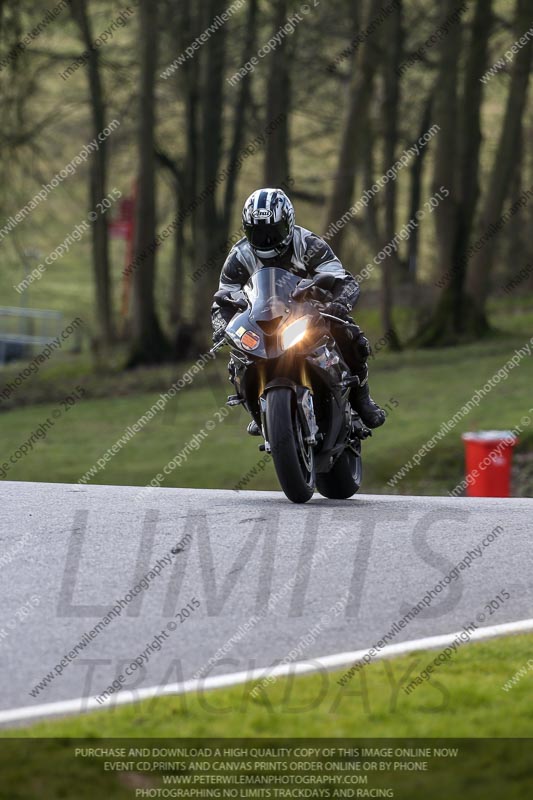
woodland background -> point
(353, 85)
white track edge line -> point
(334, 661)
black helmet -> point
(268, 222)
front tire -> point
(344, 478)
(293, 458)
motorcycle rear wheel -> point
(344, 478)
(293, 458)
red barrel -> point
(488, 456)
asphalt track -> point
(258, 576)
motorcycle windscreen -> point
(269, 292)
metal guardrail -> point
(22, 329)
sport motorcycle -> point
(289, 374)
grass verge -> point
(421, 390)
(463, 699)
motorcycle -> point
(289, 374)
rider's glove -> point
(338, 310)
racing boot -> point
(253, 429)
(372, 415)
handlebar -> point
(218, 345)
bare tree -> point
(278, 101)
(149, 344)
(502, 171)
(391, 105)
(415, 190)
(97, 177)
(241, 113)
(209, 218)
(364, 66)
(457, 170)
(183, 28)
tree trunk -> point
(98, 181)
(209, 219)
(502, 171)
(241, 109)
(364, 67)
(512, 249)
(175, 306)
(415, 195)
(276, 164)
(185, 29)
(371, 227)
(192, 84)
(188, 24)
(451, 318)
(178, 272)
(446, 155)
(469, 160)
(439, 329)
(149, 346)
(390, 267)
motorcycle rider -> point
(272, 239)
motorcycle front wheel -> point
(293, 457)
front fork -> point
(304, 406)
(304, 399)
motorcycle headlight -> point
(294, 333)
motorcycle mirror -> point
(224, 298)
(312, 292)
(302, 288)
(313, 286)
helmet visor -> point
(267, 236)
